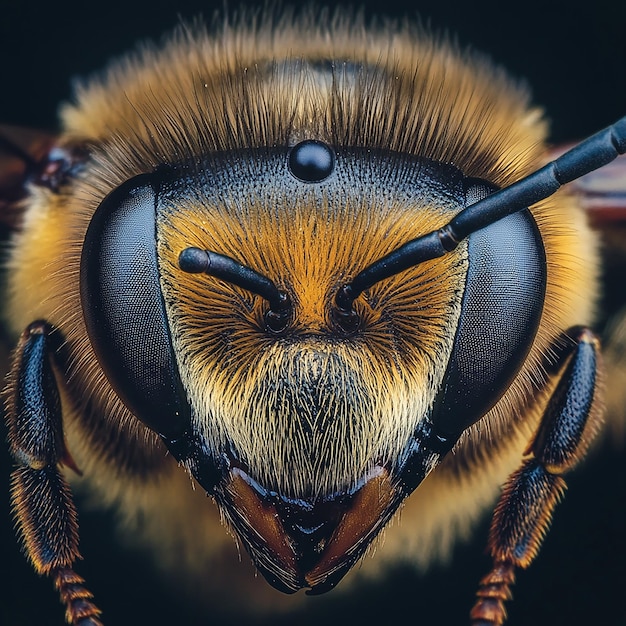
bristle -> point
(255, 85)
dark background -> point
(575, 60)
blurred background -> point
(575, 62)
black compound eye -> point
(124, 309)
(311, 161)
(501, 310)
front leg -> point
(42, 501)
(524, 512)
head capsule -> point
(163, 339)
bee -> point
(318, 272)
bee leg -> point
(524, 511)
(42, 502)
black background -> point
(575, 60)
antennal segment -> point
(197, 261)
(590, 154)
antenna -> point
(197, 261)
(590, 154)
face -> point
(188, 296)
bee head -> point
(211, 293)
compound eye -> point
(500, 313)
(311, 161)
(124, 310)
